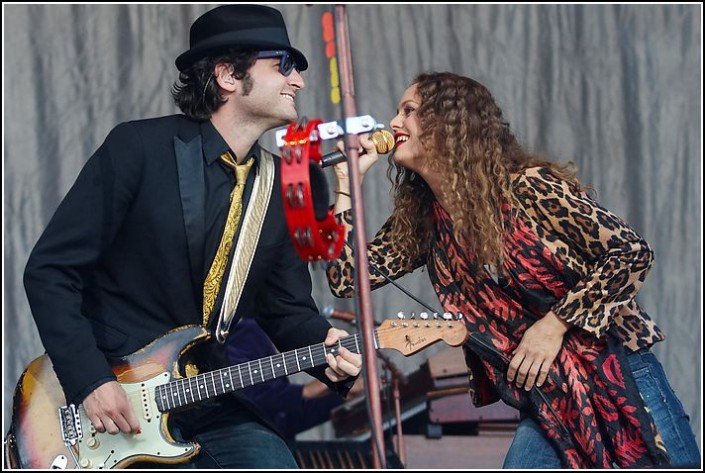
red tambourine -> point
(314, 238)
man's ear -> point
(223, 74)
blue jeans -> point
(230, 437)
(249, 445)
(531, 449)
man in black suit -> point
(126, 255)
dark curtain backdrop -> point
(615, 88)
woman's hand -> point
(536, 352)
(368, 156)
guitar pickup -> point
(146, 410)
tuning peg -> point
(435, 316)
(401, 316)
(447, 316)
(413, 316)
(424, 315)
(460, 316)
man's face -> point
(269, 96)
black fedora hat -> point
(254, 27)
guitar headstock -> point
(409, 336)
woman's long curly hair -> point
(197, 93)
(470, 144)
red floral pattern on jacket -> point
(565, 253)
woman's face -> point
(409, 152)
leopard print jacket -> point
(563, 253)
(566, 236)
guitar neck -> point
(185, 391)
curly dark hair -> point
(198, 95)
(467, 141)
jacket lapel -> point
(190, 167)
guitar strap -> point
(246, 245)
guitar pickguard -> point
(102, 450)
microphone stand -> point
(397, 378)
(361, 262)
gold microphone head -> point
(383, 140)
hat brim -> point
(187, 59)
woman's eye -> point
(408, 111)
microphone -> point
(383, 140)
(330, 312)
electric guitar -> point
(45, 433)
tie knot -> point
(241, 170)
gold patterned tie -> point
(215, 274)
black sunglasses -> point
(287, 63)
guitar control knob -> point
(424, 315)
(93, 442)
(85, 463)
(401, 316)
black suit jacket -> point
(120, 263)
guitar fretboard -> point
(185, 391)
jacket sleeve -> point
(282, 400)
(60, 265)
(615, 258)
(381, 254)
(287, 312)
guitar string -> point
(321, 350)
(318, 351)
